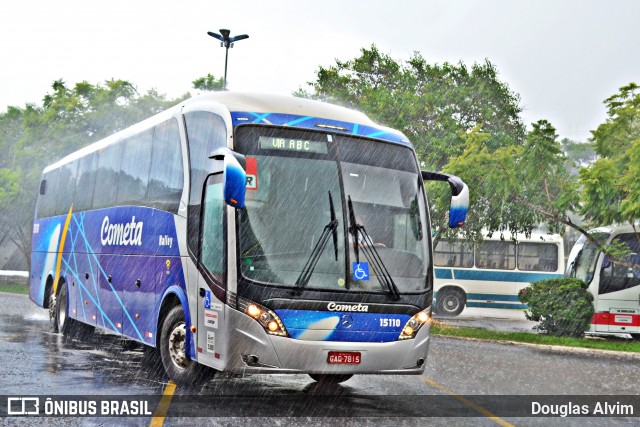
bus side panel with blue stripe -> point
(116, 263)
(492, 300)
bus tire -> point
(177, 365)
(52, 313)
(330, 379)
(450, 302)
(64, 324)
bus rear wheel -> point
(330, 379)
(173, 352)
(450, 302)
(66, 325)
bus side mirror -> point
(234, 176)
(459, 196)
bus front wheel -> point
(176, 363)
(330, 378)
(450, 302)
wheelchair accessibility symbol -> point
(360, 271)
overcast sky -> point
(563, 57)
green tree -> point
(611, 185)
(434, 105)
(519, 186)
(208, 83)
(70, 118)
(464, 120)
(579, 154)
(516, 187)
(16, 210)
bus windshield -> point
(582, 259)
(296, 219)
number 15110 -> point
(390, 323)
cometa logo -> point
(332, 306)
(128, 234)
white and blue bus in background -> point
(614, 284)
(245, 233)
(490, 274)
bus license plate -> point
(344, 358)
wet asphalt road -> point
(35, 361)
(490, 318)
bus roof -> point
(270, 103)
(618, 228)
(259, 108)
(281, 110)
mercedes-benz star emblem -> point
(346, 321)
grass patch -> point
(616, 344)
(14, 288)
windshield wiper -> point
(369, 250)
(331, 228)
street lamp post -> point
(226, 42)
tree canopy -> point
(517, 187)
(434, 105)
(464, 120)
(208, 83)
(611, 185)
(32, 137)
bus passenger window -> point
(167, 173)
(134, 169)
(106, 187)
(205, 132)
(67, 186)
(496, 255)
(537, 257)
(85, 183)
(47, 201)
(453, 254)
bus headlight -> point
(414, 324)
(267, 318)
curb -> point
(553, 348)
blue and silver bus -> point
(245, 233)
(491, 274)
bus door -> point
(212, 264)
(619, 288)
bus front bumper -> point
(252, 350)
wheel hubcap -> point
(177, 340)
(451, 303)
